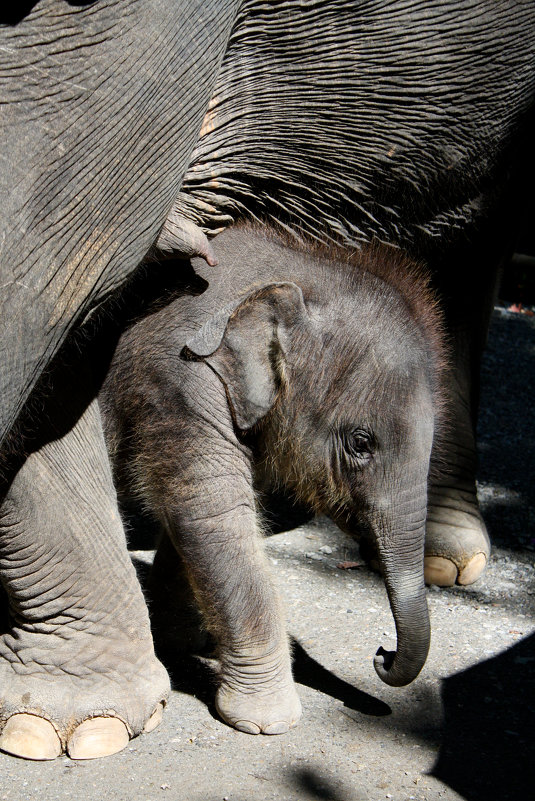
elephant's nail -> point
(154, 720)
(439, 571)
(280, 727)
(97, 737)
(247, 726)
(473, 569)
(30, 737)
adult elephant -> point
(400, 121)
(101, 105)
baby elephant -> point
(311, 369)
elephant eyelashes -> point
(358, 445)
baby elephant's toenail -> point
(280, 727)
(247, 726)
(30, 737)
(97, 737)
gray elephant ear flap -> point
(208, 338)
(246, 348)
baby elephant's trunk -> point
(401, 556)
(400, 667)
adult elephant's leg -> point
(77, 669)
(97, 132)
(4, 611)
(457, 544)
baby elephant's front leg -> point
(211, 519)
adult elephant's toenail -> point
(473, 569)
(97, 737)
(30, 737)
(155, 719)
(440, 571)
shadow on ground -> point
(309, 672)
(487, 749)
(312, 784)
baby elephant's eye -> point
(358, 443)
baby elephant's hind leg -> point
(176, 621)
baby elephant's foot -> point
(85, 708)
(457, 546)
(259, 703)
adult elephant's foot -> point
(256, 700)
(78, 673)
(86, 696)
(457, 546)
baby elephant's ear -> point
(246, 347)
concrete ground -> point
(462, 730)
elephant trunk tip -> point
(210, 258)
(182, 238)
(386, 664)
(382, 662)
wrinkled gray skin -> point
(401, 121)
(298, 370)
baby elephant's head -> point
(338, 374)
